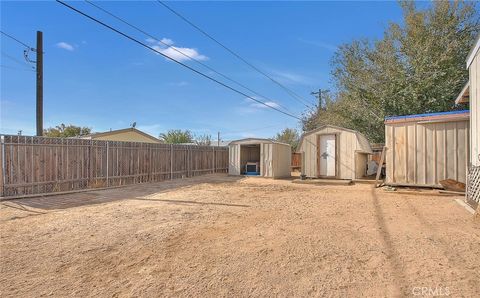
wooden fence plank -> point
(35, 165)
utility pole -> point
(39, 68)
(318, 94)
(218, 139)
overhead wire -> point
(183, 53)
(23, 63)
(17, 40)
(15, 68)
(253, 129)
(292, 93)
(174, 60)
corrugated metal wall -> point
(234, 159)
(275, 159)
(266, 160)
(282, 159)
(422, 153)
(348, 142)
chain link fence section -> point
(40, 165)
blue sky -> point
(96, 78)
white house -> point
(471, 94)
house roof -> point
(441, 117)
(464, 95)
(257, 140)
(473, 51)
(113, 132)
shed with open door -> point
(259, 157)
(334, 152)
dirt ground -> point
(225, 236)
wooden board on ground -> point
(453, 185)
(449, 192)
(323, 182)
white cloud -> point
(167, 41)
(178, 84)
(291, 78)
(166, 47)
(254, 106)
(287, 77)
(261, 106)
(65, 46)
(320, 44)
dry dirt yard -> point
(224, 236)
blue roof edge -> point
(427, 115)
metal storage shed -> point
(424, 149)
(334, 152)
(273, 157)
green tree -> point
(417, 67)
(289, 136)
(177, 136)
(331, 115)
(66, 131)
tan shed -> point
(424, 149)
(334, 152)
(261, 157)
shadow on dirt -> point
(391, 252)
(65, 201)
(184, 202)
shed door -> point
(327, 155)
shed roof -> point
(473, 51)
(256, 141)
(362, 139)
(440, 117)
(464, 95)
(328, 125)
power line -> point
(292, 93)
(17, 40)
(23, 63)
(253, 129)
(176, 61)
(181, 52)
(15, 68)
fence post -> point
(150, 163)
(188, 161)
(2, 180)
(214, 161)
(171, 161)
(108, 182)
(90, 164)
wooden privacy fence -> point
(296, 161)
(37, 165)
